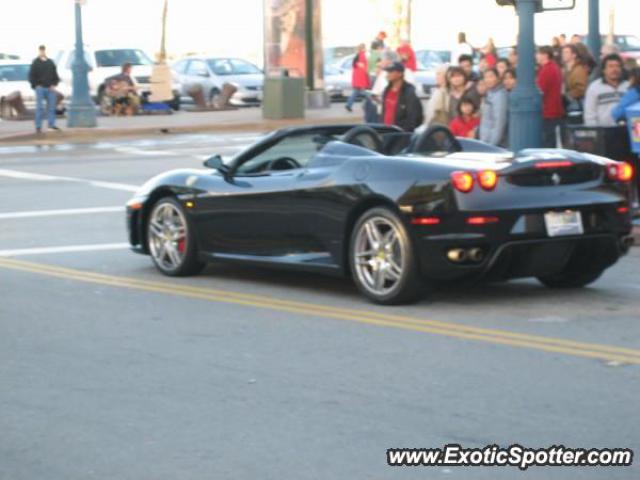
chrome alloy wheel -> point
(378, 255)
(167, 236)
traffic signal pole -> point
(525, 122)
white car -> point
(337, 79)
(104, 63)
(14, 77)
(211, 73)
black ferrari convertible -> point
(394, 210)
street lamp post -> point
(525, 125)
(82, 111)
(593, 40)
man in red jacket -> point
(550, 83)
(359, 76)
(407, 55)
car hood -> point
(251, 80)
(7, 88)
(105, 72)
(27, 93)
(426, 76)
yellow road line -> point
(177, 288)
(503, 337)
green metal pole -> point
(309, 44)
(525, 103)
(594, 40)
(82, 110)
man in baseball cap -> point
(400, 104)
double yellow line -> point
(495, 336)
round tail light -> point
(488, 179)
(462, 181)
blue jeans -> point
(357, 93)
(50, 95)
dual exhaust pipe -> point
(466, 255)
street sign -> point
(543, 5)
(558, 5)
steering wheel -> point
(282, 163)
(436, 138)
(364, 136)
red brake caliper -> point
(181, 244)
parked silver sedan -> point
(212, 73)
(337, 79)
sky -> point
(235, 28)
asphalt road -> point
(109, 370)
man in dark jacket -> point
(43, 77)
(400, 104)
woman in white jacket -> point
(438, 104)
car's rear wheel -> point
(382, 258)
(570, 279)
(585, 265)
(171, 240)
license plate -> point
(564, 223)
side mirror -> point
(203, 73)
(216, 163)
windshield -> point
(429, 58)
(14, 73)
(633, 42)
(117, 58)
(232, 66)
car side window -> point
(198, 68)
(221, 67)
(72, 57)
(299, 148)
(240, 67)
(179, 67)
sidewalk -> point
(243, 119)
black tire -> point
(570, 279)
(104, 102)
(175, 103)
(214, 95)
(586, 264)
(409, 287)
(190, 264)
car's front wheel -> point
(214, 97)
(171, 241)
(383, 263)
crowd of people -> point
(472, 93)
(386, 79)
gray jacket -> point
(494, 117)
(600, 100)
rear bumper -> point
(246, 97)
(518, 245)
(520, 258)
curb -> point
(635, 233)
(82, 135)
